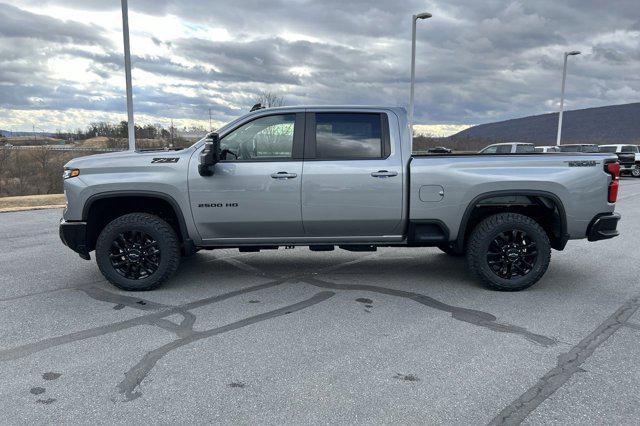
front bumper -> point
(603, 227)
(74, 236)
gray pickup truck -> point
(332, 176)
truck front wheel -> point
(137, 252)
(509, 252)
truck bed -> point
(443, 186)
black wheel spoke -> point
(512, 254)
(135, 254)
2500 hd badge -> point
(218, 205)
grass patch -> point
(31, 202)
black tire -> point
(138, 239)
(451, 251)
(635, 172)
(527, 256)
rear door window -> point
(525, 148)
(503, 149)
(345, 136)
(609, 149)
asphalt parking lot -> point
(291, 336)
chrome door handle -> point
(384, 174)
(283, 175)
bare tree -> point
(269, 100)
(5, 157)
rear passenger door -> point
(352, 176)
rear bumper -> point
(603, 227)
(74, 236)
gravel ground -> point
(292, 336)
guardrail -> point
(62, 148)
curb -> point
(27, 208)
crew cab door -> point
(255, 191)
(353, 176)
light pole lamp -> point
(564, 78)
(414, 19)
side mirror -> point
(210, 155)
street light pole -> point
(127, 72)
(564, 78)
(414, 19)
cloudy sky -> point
(61, 61)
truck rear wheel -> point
(137, 252)
(635, 172)
(508, 252)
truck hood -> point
(127, 158)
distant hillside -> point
(609, 124)
(8, 133)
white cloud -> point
(476, 61)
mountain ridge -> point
(601, 125)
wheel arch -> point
(123, 202)
(557, 232)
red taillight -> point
(614, 170)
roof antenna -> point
(256, 107)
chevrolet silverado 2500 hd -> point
(332, 176)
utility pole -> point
(127, 72)
(171, 134)
(35, 137)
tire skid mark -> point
(471, 316)
(568, 364)
(134, 377)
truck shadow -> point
(427, 267)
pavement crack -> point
(568, 364)
(103, 295)
(147, 319)
(129, 386)
(471, 316)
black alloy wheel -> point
(512, 254)
(508, 251)
(138, 251)
(135, 255)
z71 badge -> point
(165, 160)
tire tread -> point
(485, 229)
(172, 252)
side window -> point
(490, 150)
(539, 149)
(524, 148)
(264, 138)
(503, 149)
(348, 136)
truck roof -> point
(333, 107)
(511, 143)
